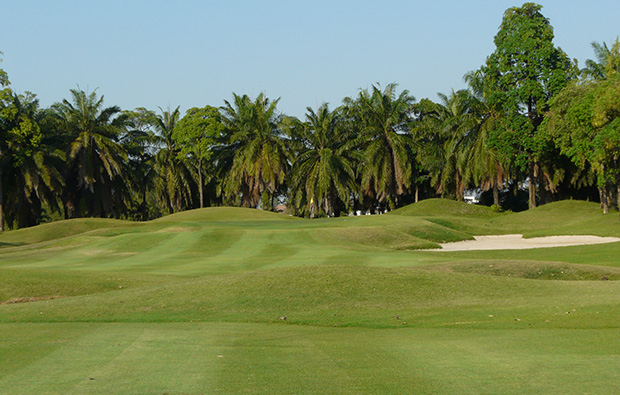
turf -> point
(229, 300)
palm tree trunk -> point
(417, 193)
(618, 197)
(495, 195)
(532, 183)
(143, 208)
(459, 187)
(605, 200)
(1, 204)
(200, 183)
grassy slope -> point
(57, 230)
(192, 303)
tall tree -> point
(32, 177)
(383, 119)
(324, 171)
(196, 134)
(4, 78)
(459, 123)
(261, 159)
(448, 134)
(175, 179)
(484, 167)
(95, 158)
(523, 74)
(4, 94)
(584, 121)
(29, 174)
(140, 142)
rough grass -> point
(223, 300)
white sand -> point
(517, 242)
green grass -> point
(228, 300)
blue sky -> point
(194, 53)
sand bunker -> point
(517, 242)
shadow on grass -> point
(4, 245)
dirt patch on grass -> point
(94, 251)
(176, 229)
(30, 299)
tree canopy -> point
(522, 76)
(529, 128)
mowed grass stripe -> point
(261, 358)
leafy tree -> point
(523, 74)
(95, 158)
(606, 111)
(584, 122)
(4, 78)
(260, 159)
(383, 119)
(25, 161)
(324, 171)
(4, 94)
(33, 177)
(195, 135)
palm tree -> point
(260, 159)
(453, 135)
(324, 170)
(485, 166)
(607, 61)
(457, 124)
(140, 142)
(175, 179)
(383, 134)
(95, 159)
(442, 132)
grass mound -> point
(566, 217)
(57, 230)
(444, 207)
(373, 236)
(534, 270)
(392, 233)
(31, 285)
(223, 214)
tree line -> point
(530, 128)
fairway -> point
(231, 300)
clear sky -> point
(193, 53)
